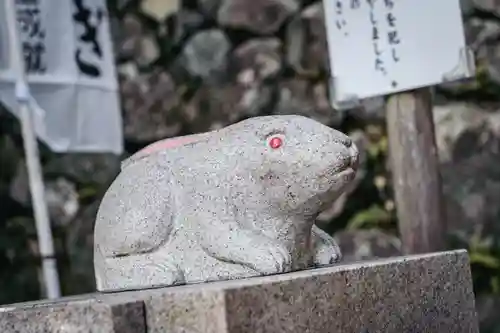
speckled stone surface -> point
(429, 293)
(234, 203)
(82, 314)
(418, 294)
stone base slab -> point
(429, 293)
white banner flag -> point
(70, 70)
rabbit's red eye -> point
(275, 142)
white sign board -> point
(70, 69)
(379, 47)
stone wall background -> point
(195, 65)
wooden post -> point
(415, 169)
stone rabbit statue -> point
(233, 203)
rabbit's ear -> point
(168, 143)
(161, 145)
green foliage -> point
(484, 254)
(378, 149)
(377, 208)
(87, 192)
(373, 217)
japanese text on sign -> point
(392, 34)
(88, 63)
(374, 48)
(32, 35)
(384, 44)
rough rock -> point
(149, 50)
(300, 96)
(151, 107)
(468, 140)
(479, 32)
(257, 16)
(467, 6)
(128, 33)
(133, 42)
(257, 60)
(482, 36)
(60, 194)
(160, 9)
(472, 189)
(360, 245)
(123, 4)
(214, 106)
(492, 6)
(252, 64)
(490, 57)
(185, 23)
(465, 130)
(62, 201)
(306, 42)
(209, 7)
(205, 54)
(84, 168)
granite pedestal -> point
(423, 293)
